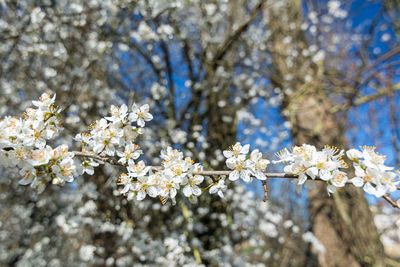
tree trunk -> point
(343, 223)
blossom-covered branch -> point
(227, 173)
(24, 145)
(205, 173)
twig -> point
(265, 190)
(380, 93)
(95, 156)
(391, 201)
(227, 44)
(368, 98)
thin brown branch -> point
(391, 201)
(227, 44)
(146, 57)
(97, 157)
(171, 84)
(264, 183)
(157, 15)
(268, 174)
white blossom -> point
(140, 114)
(371, 173)
(306, 162)
(218, 188)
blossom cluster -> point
(38, 125)
(305, 161)
(176, 173)
(371, 172)
(115, 134)
(244, 166)
(23, 144)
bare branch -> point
(265, 190)
(390, 201)
(227, 44)
(379, 94)
(97, 157)
(365, 99)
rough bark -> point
(343, 222)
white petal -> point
(369, 189)
(380, 190)
(134, 108)
(353, 154)
(178, 179)
(140, 195)
(288, 169)
(359, 171)
(145, 107)
(152, 191)
(173, 192)
(250, 165)
(25, 181)
(227, 153)
(133, 117)
(331, 188)
(98, 148)
(89, 171)
(231, 163)
(325, 175)
(312, 172)
(148, 117)
(213, 189)
(373, 172)
(245, 175)
(302, 178)
(261, 176)
(123, 109)
(357, 181)
(187, 191)
(245, 149)
(146, 169)
(196, 191)
(140, 122)
(198, 179)
(233, 176)
(69, 178)
(126, 189)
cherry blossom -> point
(140, 115)
(218, 188)
(371, 173)
(306, 162)
(245, 167)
